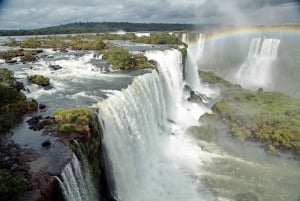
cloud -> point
(33, 14)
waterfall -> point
(76, 182)
(194, 54)
(256, 71)
(147, 162)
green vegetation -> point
(99, 27)
(13, 103)
(270, 118)
(211, 78)
(159, 38)
(73, 120)
(26, 55)
(39, 80)
(30, 43)
(120, 58)
(12, 186)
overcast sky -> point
(15, 14)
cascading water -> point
(194, 55)
(76, 182)
(147, 163)
(257, 69)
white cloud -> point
(32, 13)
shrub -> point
(12, 186)
(39, 80)
(119, 57)
(31, 43)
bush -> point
(39, 80)
(12, 186)
(119, 57)
(31, 43)
(73, 120)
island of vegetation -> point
(270, 118)
(39, 80)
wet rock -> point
(64, 50)
(198, 98)
(46, 143)
(48, 87)
(10, 61)
(34, 120)
(42, 106)
(55, 67)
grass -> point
(271, 118)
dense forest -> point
(100, 27)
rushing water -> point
(146, 120)
(145, 165)
(76, 182)
(257, 69)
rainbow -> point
(224, 33)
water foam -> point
(256, 71)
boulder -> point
(55, 67)
(46, 143)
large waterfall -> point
(149, 160)
(257, 69)
(76, 182)
(195, 52)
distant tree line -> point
(102, 27)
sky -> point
(20, 14)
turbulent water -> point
(147, 162)
(76, 181)
(146, 120)
(257, 69)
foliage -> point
(120, 58)
(270, 118)
(30, 43)
(211, 78)
(159, 38)
(26, 55)
(97, 27)
(39, 80)
(12, 186)
(73, 120)
(13, 103)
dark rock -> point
(38, 51)
(42, 106)
(55, 67)
(10, 61)
(63, 50)
(46, 143)
(198, 98)
(34, 120)
(48, 87)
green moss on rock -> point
(121, 58)
(270, 118)
(39, 80)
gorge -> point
(151, 138)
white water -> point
(257, 69)
(194, 56)
(76, 181)
(147, 162)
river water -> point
(146, 120)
